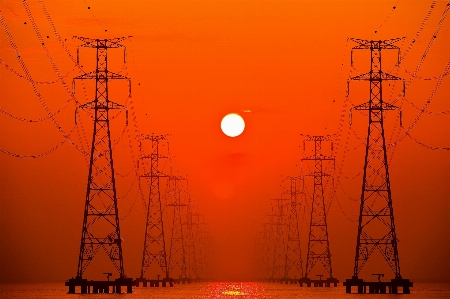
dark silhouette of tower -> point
(293, 261)
(101, 229)
(191, 256)
(376, 228)
(266, 240)
(278, 221)
(177, 254)
(154, 251)
(199, 240)
(318, 244)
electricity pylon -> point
(318, 243)
(267, 249)
(376, 227)
(154, 251)
(177, 254)
(101, 229)
(199, 241)
(293, 261)
(278, 222)
(191, 257)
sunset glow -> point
(229, 89)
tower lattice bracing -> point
(154, 251)
(101, 229)
(266, 250)
(376, 228)
(191, 257)
(318, 243)
(293, 261)
(278, 223)
(177, 255)
(199, 241)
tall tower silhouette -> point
(293, 261)
(318, 244)
(154, 252)
(376, 228)
(191, 255)
(278, 221)
(177, 255)
(101, 229)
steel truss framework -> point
(376, 228)
(101, 229)
(293, 260)
(177, 253)
(154, 242)
(318, 244)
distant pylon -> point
(101, 229)
(199, 241)
(376, 228)
(154, 250)
(266, 250)
(177, 254)
(293, 262)
(279, 246)
(191, 257)
(318, 243)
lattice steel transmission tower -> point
(199, 241)
(267, 235)
(101, 229)
(293, 267)
(278, 220)
(191, 257)
(376, 228)
(318, 243)
(177, 253)
(154, 251)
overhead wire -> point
(35, 89)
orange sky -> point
(191, 63)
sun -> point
(232, 125)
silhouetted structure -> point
(318, 244)
(376, 228)
(177, 254)
(278, 238)
(293, 266)
(154, 251)
(101, 229)
(199, 236)
(191, 256)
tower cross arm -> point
(318, 157)
(102, 105)
(101, 75)
(373, 76)
(375, 106)
(317, 138)
(375, 44)
(101, 43)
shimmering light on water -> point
(220, 290)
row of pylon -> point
(170, 213)
(281, 255)
(280, 239)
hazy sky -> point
(282, 65)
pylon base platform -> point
(182, 280)
(378, 287)
(288, 280)
(318, 282)
(154, 282)
(99, 286)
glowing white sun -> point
(232, 125)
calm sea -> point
(219, 290)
